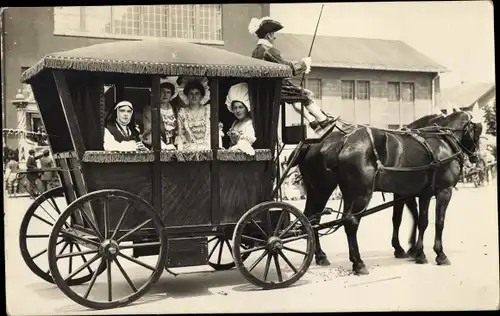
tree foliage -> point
(490, 117)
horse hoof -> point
(421, 260)
(323, 262)
(361, 271)
(412, 253)
(443, 261)
(400, 254)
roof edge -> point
(153, 68)
(379, 67)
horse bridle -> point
(465, 132)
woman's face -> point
(194, 96)
(123, 115)
(165, 95)
(239, 110)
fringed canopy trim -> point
(233, 155)
(185, 156)
(114, 157)
(155, 68)
(66, 154)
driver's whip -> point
(312, 43)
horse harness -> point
(416, 135)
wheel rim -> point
(272, 240)
(220, 255)
(35, 230)
(117, 219)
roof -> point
(357, 53)
(159, 57)
(465, 94)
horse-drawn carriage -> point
(160, 209)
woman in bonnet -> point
(241, 133)
(120, 133)
(168, 126)
(194, 119)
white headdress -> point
(254, 25)
(124, 103)
(204, 82)
(172, 81)
(238, 92)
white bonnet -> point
(238, 92)
(124, 103)
(173, 82)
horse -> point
(319, 183)
(425, 162)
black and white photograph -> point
(249, 158)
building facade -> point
(28, 33)
(383, 83)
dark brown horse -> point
(320, 181)
(423, 164)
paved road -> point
(471, 282)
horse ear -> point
(455, 110)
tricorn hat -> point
(264, 25)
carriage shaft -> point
(375, 209)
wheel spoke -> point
(44, 251)
(86, 264)
(253, 239)
(54, 204)
(106, 218)
(133, 230)
(94, 277)
(43, 220)
(229, 246)
(92, 224)
(260, 228)
(282, 255)
(287, 240)
(213, 249)
(83, 257)
(125, 275)
(278, 225)
(295, 250)
(37, 236)
(147, 266)
(157, 243)
(268, 264)
(81, 238)
(212, 239)
(250, 250)
(257, 261)
(110, 293)
(278, 269)
(122, 218)
(70, 259)
(219, 258)
(288, 228)
(74, 254)
(269, 226)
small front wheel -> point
(105, 224)
(275, 230)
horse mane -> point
(423, 121)
(450, 120)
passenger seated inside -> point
(241, 133)
(120, 132)
(194, 118)
(168, 127)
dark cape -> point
(119, 137)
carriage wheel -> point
(109, 242)
(274, 242)
(34, 234)
(215, 255)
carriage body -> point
(196, 194)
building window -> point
(197, 22)
(408, 91)
(363, 90)
(393, 94)
(315, 86)
(348, 89)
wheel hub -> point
(109, 248)
(275, 243)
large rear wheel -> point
(113, 220)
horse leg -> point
(315, 203)
(423, 222)
(351, 220)
(397, 214)
(443, 198)
(412, 206)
